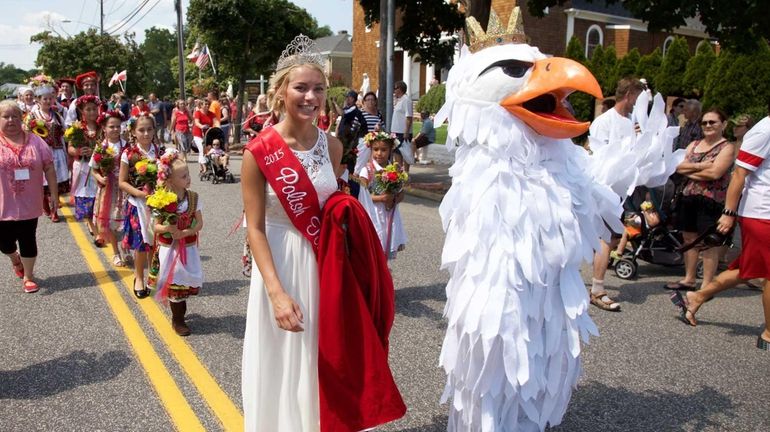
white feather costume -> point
(522, 214)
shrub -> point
(627, 65)
(582, 103)
(648, 67)
(433, 100)
(697, 70)
(738, 83)
(668, 80)
(337, 94)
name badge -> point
(20, 174)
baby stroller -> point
(657, 245)
(215, 173)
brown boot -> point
(178, 311)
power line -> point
(128, 17)
(140, 19)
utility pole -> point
(101, 17)
(389, 52)
(383, 67)
(180, 47)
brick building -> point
(593, 23)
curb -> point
(419, 193)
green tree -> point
(648, 67)
(12, 74)
(741, 26)
(158, 48)
(247, 36)
(88, 51)
(627, 65)
(737, 83)
(670, 77)
(423, 30)
(582, 103)
(602, 64)
(697, 69)
(433, 100)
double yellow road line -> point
(175, 403)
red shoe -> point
(55, 217)
(18, 269)
(30, 286)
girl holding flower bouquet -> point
(105, 169)
(82, 140)
(175, 268)
(137, 178)
(385, 181)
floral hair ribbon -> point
(164, 165)
(103, 117)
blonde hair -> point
(9, 103)
(280, 81)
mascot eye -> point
(512, 68)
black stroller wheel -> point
(625, 269)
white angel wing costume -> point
(522, 214)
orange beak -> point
(541, 103)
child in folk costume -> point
(84, 186)
(45, 121)
(175, 268)
(105, 167)
(386, 217)
(137, 178)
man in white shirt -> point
(749, 186)
(610, 128)
(401, 122)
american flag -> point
(203, 57)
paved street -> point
(84, 355)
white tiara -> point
(301, 50)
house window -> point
(594, 38)
(667, 44)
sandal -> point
(117, 261)
(680, 301)
(763, 344)
(679, 286)
(599, 301)
(30, 286)
(18, 268)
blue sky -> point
(22, 18)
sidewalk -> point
(431, 181)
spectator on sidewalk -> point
(401, 124)
(748, 198)
(677, 107)
(610, 128)
(426, 137)
(155, 106)
(372, 113)
(691, 131)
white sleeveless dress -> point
(280, 368)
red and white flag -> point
(118, 77)
(196, 51)
(203, 57)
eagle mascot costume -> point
(526, 208)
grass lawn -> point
(440, 131)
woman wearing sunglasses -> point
(707, 170)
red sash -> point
(291, 184)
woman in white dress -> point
(280, 350)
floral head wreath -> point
(42, 85)
(82, 100)
(164, 165)
(375, 136)
(103, 117)
(133, 119)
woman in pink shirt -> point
(24, 159)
